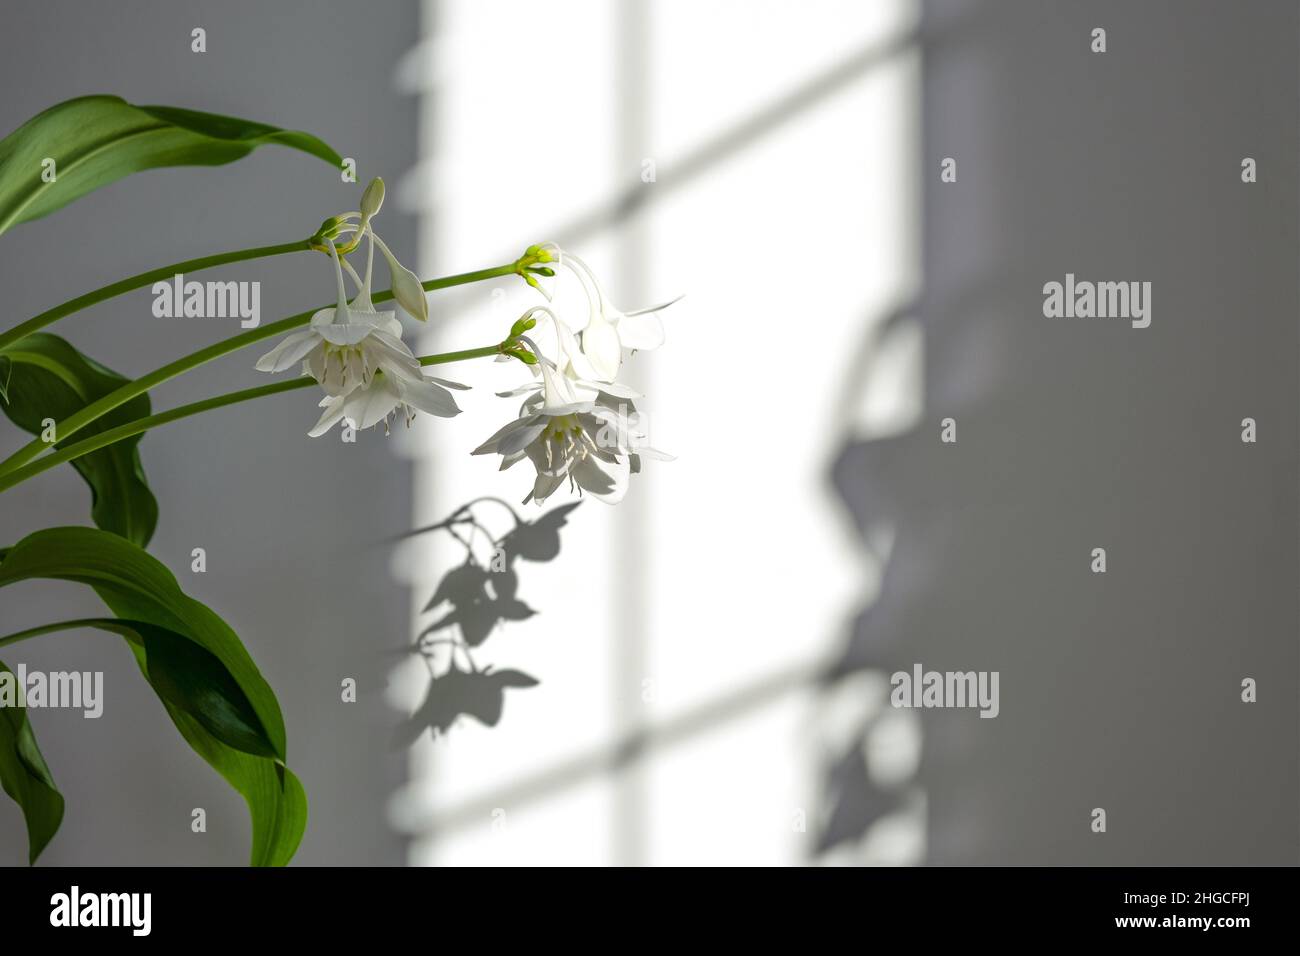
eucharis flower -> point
(610, 333)
(573, 430)
(357, 355)
(572, 363)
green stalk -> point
(50, 316)
(79, 420)
(139, 425)
(49, 629)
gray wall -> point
(1121, 690)
(288, 522)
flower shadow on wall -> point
(471, 601)
(856, 795)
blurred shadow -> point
(854, 802)
(894, 488)
(471, 602)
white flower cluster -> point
(578, 423)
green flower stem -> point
(96, 442)
(79, 420)
(50, 316)
(49, 629)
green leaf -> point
(24, 775)
(276, 800)
(189, 678)
(49, 379)
(140, 590)
(97, 140)
(193, 680)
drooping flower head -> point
(357, 355)
(574, 431)
(610, 333)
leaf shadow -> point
(472, 601)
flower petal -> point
(369, 406)
(393, 347)
(600, 344)
(641, 331)
(608, 484)
(648, 452)
(448, 383)
(558, 395)
(329, 418)
(615, 390)
(315, 364)
(508, 460)
(429, 397)
(343, 333)
(324, 316)
(490, 446)
(384, 321)
(291, 350)
(545, 486)
(521, 438)
(654, 308)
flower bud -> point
(537, 253)
(409, 293)
(522, 325)
(406, 284)
(372, 199)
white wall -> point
(785, 208)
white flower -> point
(357, 355)
(584, 438)
(609, 332)
(407, 290)
(572, 362)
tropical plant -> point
(576, 423)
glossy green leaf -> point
(137, 588)
(276, 800)
(97, 140)
(188, 677)
(193, 680)
(25, 777)
(49, 379)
